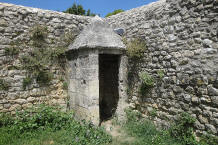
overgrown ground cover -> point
(145, 132)
(44, 125)
(49, 125)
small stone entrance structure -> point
(97, 74)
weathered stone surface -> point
(211, 128)
(212, 91)
(192, 50)
(98, 34)
(181, 37)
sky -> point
(101, 7)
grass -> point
(145, 132)
(43, 125)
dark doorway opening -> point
(108, 85)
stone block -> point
(214, 100)
(20, 101)
(212, 91)
(73, 85)
(211, 128)
(94, 88)
(202, 119)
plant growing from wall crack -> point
(135, 52)
(147, 82)
(39, 61)
(4, 85)
(135, 48)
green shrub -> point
(208, 140)
(183, 129)
(26, 82)
(65, 85)
(58, 52)
(160, 74)
(11, 51)
(44, 77)
(36, 63)
(4, 85)
(147, 82)
(6, 120)
(135, 48)
(40, 124)
(153, 113)
(145, 132)
(114, 12)
(39, 34)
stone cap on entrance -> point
(98, 34)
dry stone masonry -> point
(16, 23)
(182, 41)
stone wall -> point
(182, 40)
(16, 24)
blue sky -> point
(101, 7)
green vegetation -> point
(65, 85)
(146, 133)
(135, 48)
(36, 63)
(39, 34)
(44, 125)
(4, 85)
(78, 10)
(182, 130)
(147, 82)
(153, 113)
(160, 74)
(11, 51)
(26, 82)
(114, 12)
(49, 125)
(208, 140)
(39, 61)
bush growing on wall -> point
(135, 48)
(39, 61)
(147, 82)
(114, 12)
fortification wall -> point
(182, 40)
(17, 24)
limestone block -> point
(73, 85)
(211, 128)
(7, 106)
(28, 105)
(214, 100)
(20, 101)
(199, 126)
(31, 99)
(212, 91)
(94, 88)
(15, 107)
(202, 119)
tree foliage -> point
(78, 10)
(114, 12)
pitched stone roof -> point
(98, 34)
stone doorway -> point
(108, 85)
